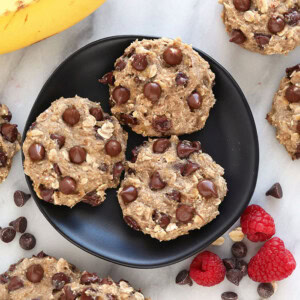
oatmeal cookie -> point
(264, 26)
(74, 152)
(10, 140)
(285, 112)
(170, 188)
(161, 87)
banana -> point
(24, 22)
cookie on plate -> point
(285, 112)
(264, 26)
(161, 87)
(74, 152)
(170, 188)
(10, 140)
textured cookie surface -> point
(264, 26)
(74, 152)
(9, 141)
(285, 112)
(171, 188)
(161, 87)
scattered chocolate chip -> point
(237, 37)
(185, 213)
(152, 91)
(4, 278)
(242, 266)
(289, 71)
(118, 170)
(186, 148)
(15, 283)
(120, 64)
(7, 234)
(41, 254)
(181, 79)
(84, 296)
(276, 24)
(129, 194)
(60, 139)
(3, 159)
(292, 93)
(108, 78)
(230, 263)
(32, 126)
(161, 145)
(71, 116)
(161, 124)
(113, 148)
(239, 250)
(184, 278)
(207, 189)
(229, 296)
(8, 116)
(127, 119)
(131, 171)
(156, 183)
(19, 225)
(160, 218)
(172, 56)
(69, 294)
(106, 281)
(275, 191)
(262, 39)
(46, 194)
(27, 241)
(97, 113)
(57, 169)
(174, 195)
(88, 278)
(265, 290)
(35, 273)
(21, 198)
(77, 155)
(134, 153)
(36, 152)
(121, 95)
(242, 5)
(234, 276)
(194, 100)
(9, 132)
(92, 198)
(139, 62)
(292, 17)
(189, 168)
(67, 185)
(59, 280)
(131, 222)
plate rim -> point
(218, 232)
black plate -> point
(229, 137)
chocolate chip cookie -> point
(264, 26)
(74, 152)
(9, 141)
(161, 87)
(170, 188)
(285, 112)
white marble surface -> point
(196, 21)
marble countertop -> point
(197, 22)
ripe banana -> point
(24, 22)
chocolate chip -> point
(46, 194)
(60, 139)
(156, 183)
(265, 290)
(15, 283)
(160, 218)
(113, 148)
(262, 39)
(35, 273)
(194, 100)
(4, 278)
(172, 56)
(108, 78)
(7, 234)
(161, 145)
(3, 159)
(19, 225)
(127, 119)
(234, 276)
(289, 71)
(242, 5)
(134, 153)
(9, 132)
(21, 198)
(106, 281)
(185, 213)
(184, 278)
(92, 198)
(59, 280)
(139, 62)
(103, 167)
(121, 95)
(242, 266)
(297, 153)
(275, 191)
(182, 79)
(77, 155)
(69, 294)
(186, 148)
(276, 24)
(97, 113)
(6, 117)
(41, 254)
(71, 116)
(207, 189)
(27, 241)
(230, 263)
(88, 278)
(118, 170)
(239, 250)
(292, 17)
(292, 93)
(36, 152)
(174, 195)
(57, 169)
(120, 64)
(67, 185)
(131, 222)
(161, 124)
(189, 168)
(237, 37)
(129, 194)
(298, 127)
(152, 91)
(229, 296)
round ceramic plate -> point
(229, 137)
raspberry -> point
(207, 269)
(257, 224)
(272, 262)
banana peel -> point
(25, 22)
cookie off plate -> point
(229, 136)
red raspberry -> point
(257, 224)
(272, 262)
(207, 269)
